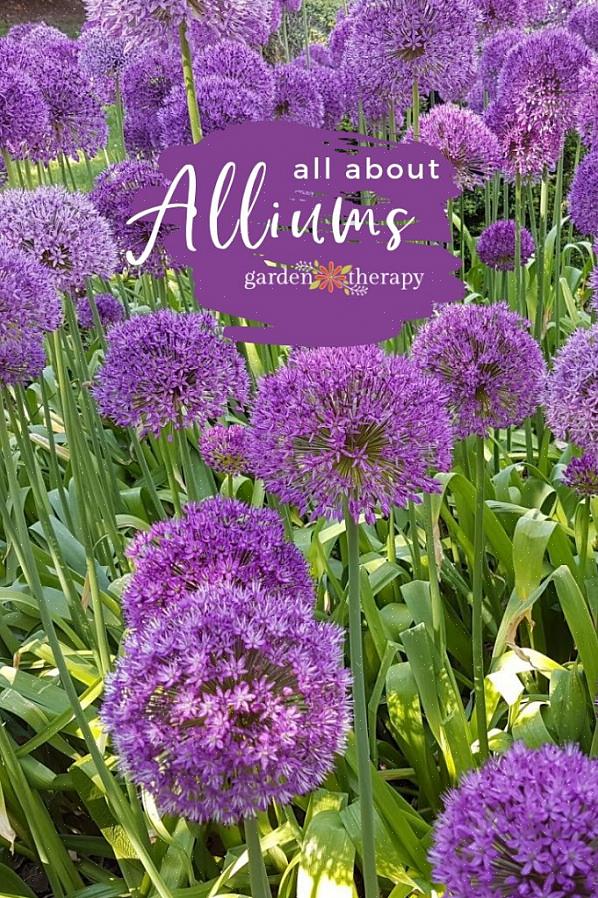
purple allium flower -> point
(587, 104)
(581, 474)
(225, 448)
(24, 114)
(338, 37)
(572, 392)
(29, 306)
(110, 311)
(486, 359)
(396, 42)
(102, 57)
(524, 825)
(330, 85)
(319, 54)
(496, 245)
(247, 21)
(147, 80)
(296, 96)
(583, 196)
(229, 703)
(465, 140)
(215, 541)
(584, 22)
(494, 52)
(352, 424)
(166, 368)
(61, 230)
(139, 22)
(498, 14)
(113, 195)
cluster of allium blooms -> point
(229, 703)
(352, 424)
(63, 231)
(217, 540)
(24, 113)
(465, 140)
(166, 369)
(494, 52)
(489, 364)
(296, 96)
(583, 195)
(536, 97)
(525, 825)
(29, 306)
(584, 22)
(102, 57)
(110, 311)
(581, 474)
(248, 21)
(496, 245)
(139, 22)
(225, 448)
(587, 104)
(572, 393)
(113, 196)
(147, 81)
(394, 43)
(499, 14)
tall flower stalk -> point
(189, 79)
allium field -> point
(283, 622)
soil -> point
(65, 14)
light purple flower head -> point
(229, 703)
(587, 104)
(139, 22)
(349, 424)
(583, 196)
(147, 81)
(24, 113)
(572, 393)
(225, 448)
(63, 231)
(581, 474)
(465, 140)
(331, 87)
(102, 57)
(496, 245)
(494, 52)
(218, 540)
(338, 37)
(113, 196)
(110, 311)
(296, 96)
(499, 14)
(584, 22)
(250, 22)
(168, 369)
(29, 306)
(489, 364)
(524, 825)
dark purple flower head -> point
(525, 825)
(496, 245)
(296, 96)
(29, 306)
(110, 311)
(229, 703)
(584, 22)
(583, 196)
(465, 140)
(494, 52)
(113, 196)
(572, 394)
(147, 81)
(24, 113)
(167, 369)
(61, 230)
(225, 448)
(587, 104)
(352, 424)
(102, 57)
(490, 365)
(393, 43)
(581, 474)
(217, 540)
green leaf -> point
(12, 885)
(326, 859)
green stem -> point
(120, 118)
(585, 532)
(557, 221)
(415, 107)
(258, 877)
(438, 622)
(539, 324)
(360, 712)
(477, 634)
(306, 34)
(192, 105)
(9, 169)
(518, 224)
(170, 473)
(415, 552)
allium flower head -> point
(113, 195)
(225, 448)
(139, 21)
(296, 96)
(581, 474)
(352, 424)
(61, 230)
(587, 104)
(247, 21)
(584, 22)
(490, 365)
(24, 113)
(225, 705)
(496, 245)
(498, 14)
(494, 52)
(217, 540)
(29, 306)
(525, 825)
(583, 195)
(167, 369)
(465, 140)
(102, 57)
(147, 81)
(572, 394)
(110, 311)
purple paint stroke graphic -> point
(273, 237)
